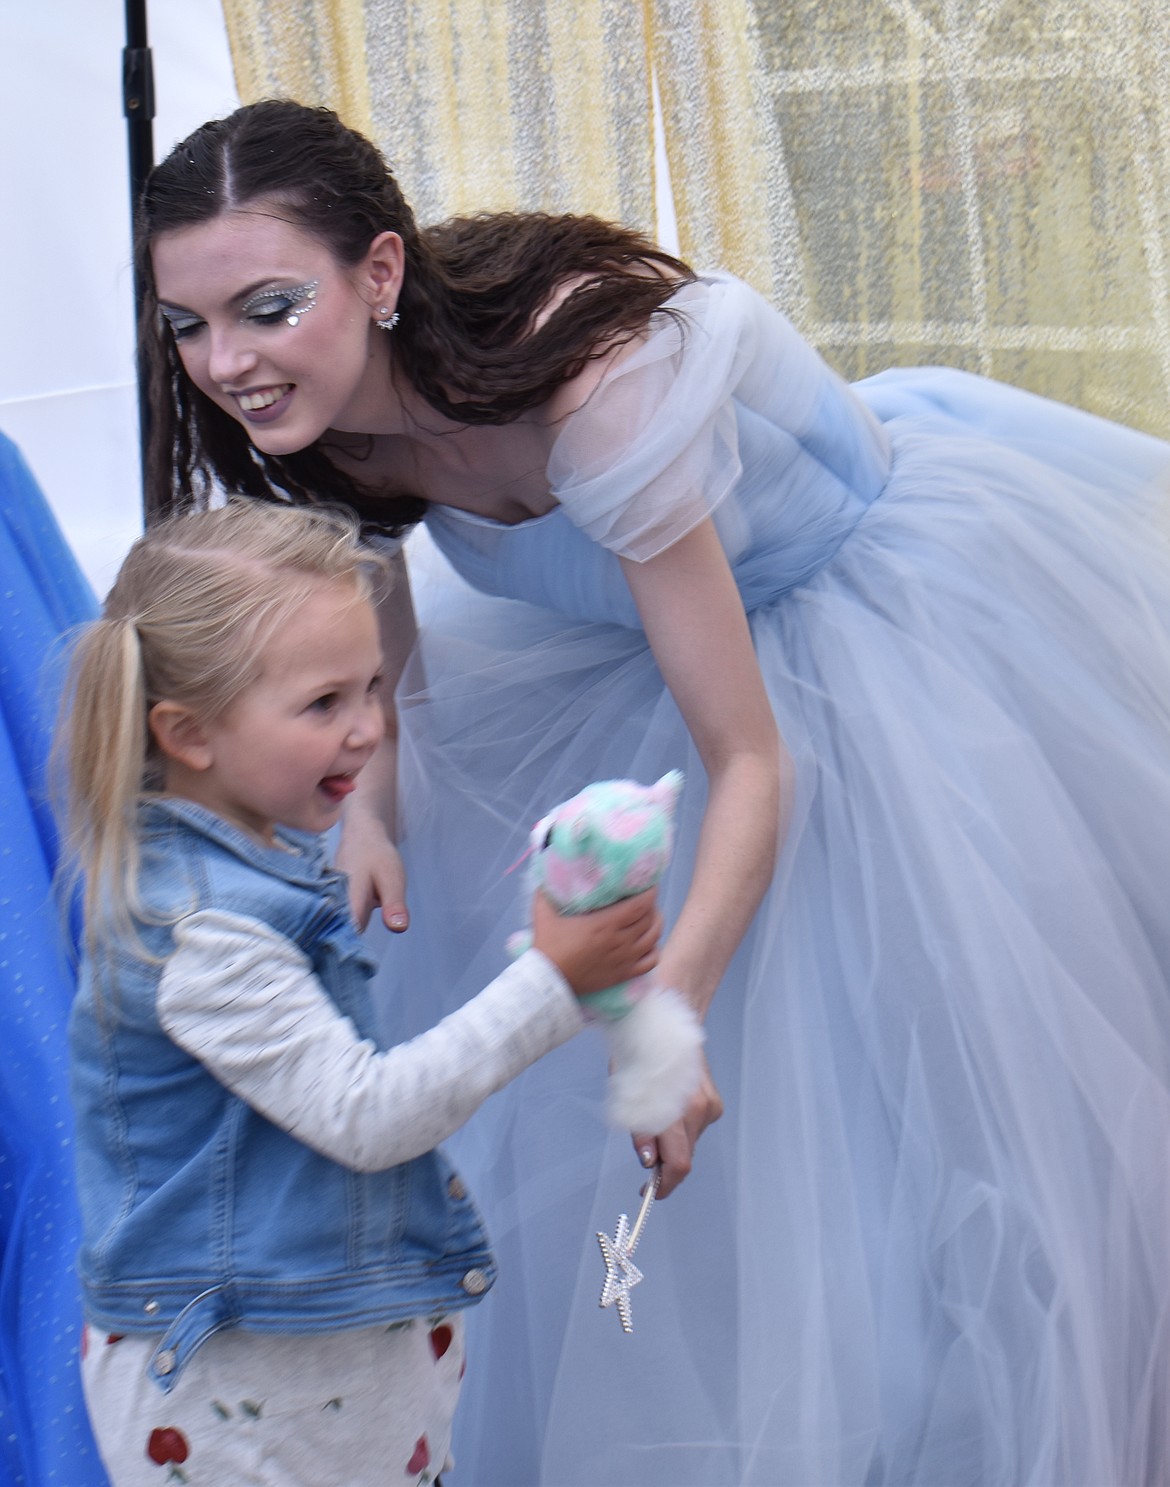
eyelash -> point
(288, 305)
(181, 329)
(329, 700)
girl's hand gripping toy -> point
(609, 842)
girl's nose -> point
(368, 726)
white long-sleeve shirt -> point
(244, 1001)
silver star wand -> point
(621, 1274)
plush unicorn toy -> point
(609, 842)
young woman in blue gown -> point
(910, 643)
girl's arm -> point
(367, 851)
(245, 1002)
(697, 628)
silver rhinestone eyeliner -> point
(301, 300)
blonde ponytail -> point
(101, 750)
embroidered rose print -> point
(168, 1447)
(442, 1337)
(421, 1458)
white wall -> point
(67, 394)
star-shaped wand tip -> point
(621, 1274)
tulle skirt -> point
(929, 1242)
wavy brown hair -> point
(471, 289)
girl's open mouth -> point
(338, 786)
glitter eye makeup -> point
(180, 322)
(272, 305)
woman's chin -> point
(281, 438)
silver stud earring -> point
(385, 320)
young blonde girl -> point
(275, 1256)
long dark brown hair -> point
(471, 288)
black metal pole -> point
(138, 107)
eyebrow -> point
(236, 299)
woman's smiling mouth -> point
(255, 402)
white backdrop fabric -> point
(67, 394)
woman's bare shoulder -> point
(573, 394)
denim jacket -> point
(198, 1213)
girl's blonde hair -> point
(196, 601)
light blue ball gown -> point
(929, 1242)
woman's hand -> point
(367, 851)
(601, 948)
(675, 1147)
(376, 874)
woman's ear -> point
(380, 271)
(180, 735)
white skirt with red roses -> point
(334, 1409)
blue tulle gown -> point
(929, 1243)
(44, 1433)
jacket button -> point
(150, 1308)
(456, 1190)
(165, 1362)
(475, 1282)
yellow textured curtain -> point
(983, 183)
(479, 105)
(961, 181)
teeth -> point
(251, 402)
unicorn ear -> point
(666, 791)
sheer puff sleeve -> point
(653, 450)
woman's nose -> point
(230, 358)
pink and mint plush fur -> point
(609, 842)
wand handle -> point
(648, 1197)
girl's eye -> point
(272, 306)
(324, 703)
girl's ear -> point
(380, 272)
(180, 735)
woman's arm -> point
(698, 630)
(367, 851)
